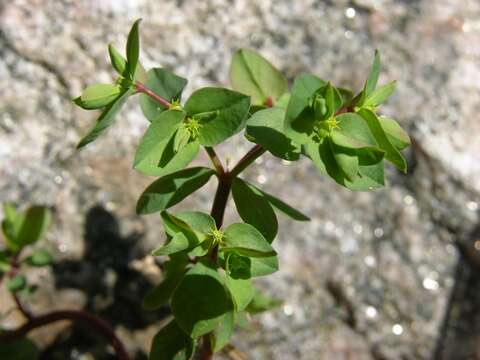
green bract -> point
(208, 267)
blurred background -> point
(392, 274)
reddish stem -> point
(143, 89)
(95, 322)
(215, 160)
(219, 205)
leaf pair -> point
(189, 231)
(111, 97)
(171, 189)
(349, 155)
(210, 116)
(388, 134)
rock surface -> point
(370, 277)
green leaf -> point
(118, 61)
(160, 294)
(165, 84)
(372, 79)
(98, 96)
(252, 74)
(174, 269)
(254, 209)
(140, 74)
(155, 155)
(223, 332)
(266, 128)
(154, 141)
(181, 138)
(391, 152)
(395, 134)
(241, 290)
(262, 266)
(179, 242)
(11, 225)
(161, 162)
(346, 160)
(4, 262)
(174, 226)
(283, 207)
(352, 132)
(246, 240)
(346, 95)
(200, 300)
(171, 343)
(371, 171)
(21, 349)
(201, 223)
(106, 118)
(37, 220)
(380, 95)
(238, 266)
(40, 258)
(227, 112)
(261, 303)
(171, 189)
(133, 50)
(16, 283)
(25, 228)
(299, 118)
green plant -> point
(209, 271)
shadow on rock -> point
(114, 290)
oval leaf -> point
(299, 118)
(119, 63)
(396, 135)
(98, 96)
(246, 240)
(220, 336)
(171, 343)
(252, 74)
(155, 155)
(171, 189)
(266, 128)
(241, 291)
(254, 209)
(200, 300)
(227, 111)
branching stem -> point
(95, 322)
(33, 322)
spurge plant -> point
(209, 266)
